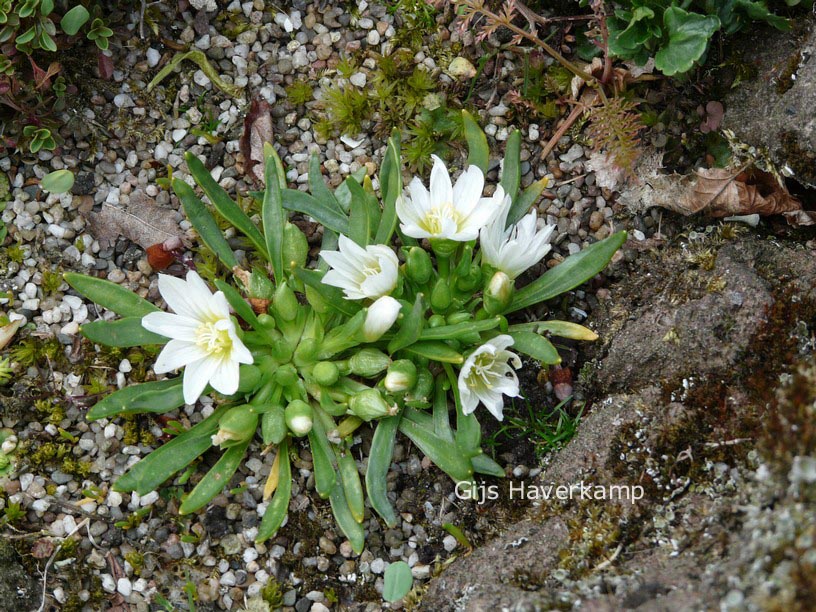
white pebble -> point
(153, 57)
(108, 583)
(449, 543)
(124, 366)
(150, 498)
(123, 100)
(178, 135)
(358, 79)
(373, 37)
(124, 587)
(110, 431)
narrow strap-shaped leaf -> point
(573, 271)
(169, 458)
(563, 329)
(343, 197)
(332, 295)
(360, 222)
(204, 223)
(122, 333)
(109, 295)
(346, 521)
(318, 187)
(523, 201)
(483, 464)
(449, 332)
(379, 461)
(441, 418)
(436, 351)
(272, 213)
(329, 243)
(322, 454)
(390, 188)
(224, 204)
(279, 506)
(238, 303)
(302, 202)
(214, 480)
(468, 434)
(353, 488)
(478, 151)
(511, 168)
(537, 347)
(374, 210)
(445, 455)
(410, 328)
(156, 396)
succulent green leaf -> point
(156, 397)
(436, 351)
(345, 520)
(573, 271)
(319, 210)
(318, 187)
(322, 455)
(410, 328)
(239, 304)
(168, 459)
(216, 479)
(483, 464)
(353, 488)
(204, 223)
(124, 332)
(523, 201)
(391, 188)
(379, 461)
(224, 204)
(74, 19)
(478, 151)
(361, 223)
(279, 505)
(445, 455)
(511, 168)
(537, 347)
(59, 181)
(397, 581)
(110, 295)
(272, 213)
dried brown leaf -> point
(142, 221)
(257, 131)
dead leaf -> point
(42, 548)
(257, 131)
(7, 332)
(163, 255)
(105, 65)
(142, 221)
(800, 218)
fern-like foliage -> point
(614, 127)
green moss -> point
(299, 92)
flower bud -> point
(369, 404)
(306, 351)
(418, 265)
(285, 302)
(443, 247)
(380, 317)
(299, 417)
(436, 321)
(238, 424)
(295, 248)
(498, 294)
(441, 295)
(401, 376)
(458, 317)
(369, 362)
(286, 375)
(273, 425)
(471, 280)
(326, 373)
(424, 385)
(249, 377)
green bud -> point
(249, 377)
(498, 294)
(443, 247)
(281, 350)
(273, 425)
(471, 280)
(424, 385)
(238, 424)
(369, 404)
(436, 321)
(418, 265)
(285, 302)
(266, 321)
(441, 296)
(299, 417)
(369, 362)
(295, 247)
(326, 373)
(286, 375)
(458, 317)
(401, 376)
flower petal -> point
(176, 354)
(171, 325)
(196, 376)
(441, 188)
(225, 378)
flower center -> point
(371, 268)
(435, 218)
(213, 338)
(481, 373)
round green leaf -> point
(398, 581)
(74, 19)
(689, 34)
(59, 181)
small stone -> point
(449, 543)
(596, 220)
(358, 79)
(124, 587)
(153, 57)
(231, 544)
(373, 37)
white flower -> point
(203, 337)
(380, 317)
(455, 212)
(487, 374)
(516, 248)
(369, 272)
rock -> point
(774, 109)
(18, 589)
(704, 428)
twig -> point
(577, 111)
